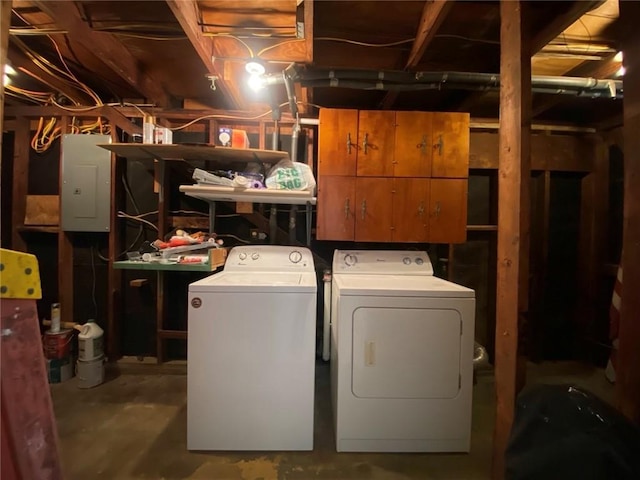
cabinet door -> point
(373, 209)
(450, 145)
(336, 208)
(338, 142)
(414, 142)
(410, 209)
(448, 211)
(376, 138)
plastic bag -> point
(288, 175)
(563, 432)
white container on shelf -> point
(90, 341)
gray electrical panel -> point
(86, 183)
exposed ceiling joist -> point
(107, 48)
(187, 14)
(308, 29)
(433, 14)
(560, 23)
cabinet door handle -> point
(349, 143)
(423, 145)
(363, 209)
(421, 208)
(439, 145)
(365, 142)
(346, 208)
(437, 211)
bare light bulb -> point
(9, 70)
(618, 57)
(255, 82)
(621, 71)
(254, 68)
(6, 80)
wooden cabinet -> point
(401, 178)
(376, 139)
(374, 197)
(411, 209)
(338, 142)
(336, 214)
(450, 145)
(413, 144)
(448, 210)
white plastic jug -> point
(90, 341)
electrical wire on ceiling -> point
(364, 44)
(226, 35)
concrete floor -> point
(134, 427)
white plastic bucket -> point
(91, 373)
(90, 342)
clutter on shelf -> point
(285, 175)
(182, 248)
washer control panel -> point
(379, 262)
(269, 258)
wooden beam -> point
(433, 14)
(20, 181)
(117, 119)
(65, 250)
(5, 23)
(107, 48)
(594, 205)
(308, 29)
(560, 23)
(560, 153)
(515, 92)
(627, 371)
(188, 15)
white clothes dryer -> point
(251, 352)
(401, 354)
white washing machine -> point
(401, 354)
(251, 352)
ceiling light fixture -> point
(9, 70)
(621, 71)
(618, 57)
(254, 68)
(6, 80)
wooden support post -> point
(514, 163)
(20, 181)
(594, 202)
(65, 251)
(628, 371)
(114, 280)
(161, 300)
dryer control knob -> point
(406, 260)
(350, 260)
(255, 256)
(419, 261)
(295, 256)
(242, 256)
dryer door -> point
(406, 352)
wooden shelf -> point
(194, 152)
(256, 195)
(38, 228)
(156, 266)
(482, 228)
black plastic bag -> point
(563, 432)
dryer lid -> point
(256, 282)
(400, 286)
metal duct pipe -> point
(393, 80)
(287, 75)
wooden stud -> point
(515, 89)
(65, 251)
(308, 30)
(114, 276)
(20, 181)
(627, 372)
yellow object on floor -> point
(19, 275)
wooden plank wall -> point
(514, 165)
(628, 371)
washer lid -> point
(400, 286)
(256, 282)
